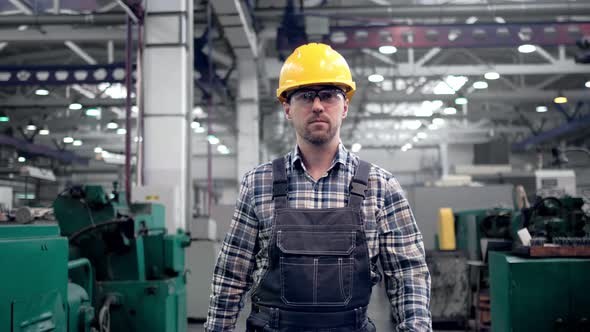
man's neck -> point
(317, 158)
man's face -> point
(317, 112)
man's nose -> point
(317, 105)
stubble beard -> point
(320, 138)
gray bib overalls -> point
(318, 277)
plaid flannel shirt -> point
(392, 235)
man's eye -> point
(309, 95)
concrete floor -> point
(378, 311)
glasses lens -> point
(329, 96)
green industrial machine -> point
(541, 295)
(109, 266)
(533, 287)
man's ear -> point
(345, 111)
(287, 110)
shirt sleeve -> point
(232, 276)
(402, 256)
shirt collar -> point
(340, 158)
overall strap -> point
(279, 183)
(359, 184)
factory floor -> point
(378, 311)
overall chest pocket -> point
(317, 268)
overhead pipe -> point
(430, 11)
(128, 65)
(80, 19)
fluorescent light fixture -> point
(121, 131)
(542, 109)
(22, 159)
(471, 20)
(421, 135)
(461, 101)
(112, 125)
(499, 20)
(97, 149)
(560, 100)
(413, 124)
(195, 124)
(375, 78)
(75, 106)
(113, 90)
(41, 92)
(480, 85)
(4, 117)
(198, 112)
(438, 121)
(423, 112)
(587, 84)
(222, 149)
(450, 110)
(356, 147)
(387, 49)
(526, 48)
(68, 139)
(415, 139)
(406, 147)
(93, 112)
(432, 126)
(491, 75)
(199, 130)
(212, 139)
(134, 109)
(31, 126)
(77, 142)
(44, 131)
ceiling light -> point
(31, 126)
(41, 92)
(199, 130)
(75, 106)
(421, 135)
(121, 131)
(44, 131)
(542, 109)
(438, 121)
(471, 20)
(68, 139)
(480, 85)
(4, 117)
(560, 100)
(588, 84)
(195, 124)
(134, 109)
(450, 110)
(491, 75)
(356, 147)
(415, 139)
(212, 139)
(93, 112)
(499, 20)
(222, 149)
(97, 149)
(22, 159)
(526, 48)
(112, 125)
(414, 124)
(387, 49)
(461, 101)
(77, 142)
(432, 126)
(375, 78)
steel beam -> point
(518, 96)
(408, 70)
(453, 36)
(555, 133)
(505, 10)
(62, 33)
(66, 74)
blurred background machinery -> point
(106, 265)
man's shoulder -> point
(376, 172)
(262, 170)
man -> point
(309, 227)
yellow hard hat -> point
(312, 64)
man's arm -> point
(407, 279)
(232, 276)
